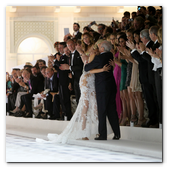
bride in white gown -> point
(84, 122)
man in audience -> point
(63, 84)
(147, 87)
(77, 34)
(34, 88)
(52, 98)
(76, 67)
(41, 63)
(133, 15)
(139, 23)
(35, 71)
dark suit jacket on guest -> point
(147, 57)
(78, 35)
(63, 74)
(54, 83)
(35, 84)
(77, 67)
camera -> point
(112, 24)
(139, 8)
(94, 22)
(131, 19)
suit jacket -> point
(147, 57)
(54, 83)
(104, 81)
(63, 74)
(77, 66)
(41, 79)
(35, 84)
(143, 67)
(78, 35)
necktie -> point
(30, 85)
(51, 85)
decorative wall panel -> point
(22, 28)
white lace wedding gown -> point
(84, 122)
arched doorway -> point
(32, 49)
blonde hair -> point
(160, 36)
(85, 46)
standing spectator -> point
(147, 87)
(63, 84)
(157, 68)
(77, 34)
(139, 23)
(76, 67)
(134, 15)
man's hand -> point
(22, 84)
(150, 52)
(64, 67)
(43, 95)
(70, 87)
(131, 45)
(79, 49)
(141, 47)
(51, 58)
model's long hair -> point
(85, 46)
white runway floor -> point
(23, 149)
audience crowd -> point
(49, 90)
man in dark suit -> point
(64, 81)
(36, 72)
(77, 34)
(144, 70)
(76, 67)
(105, 92)
(52, 101)
(34, 88)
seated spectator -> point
(52, 98)
(35, 72)
(34, 88)
(8, 82)
(13, 93)
(41, 63)
(23, 90)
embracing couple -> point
(96, 111)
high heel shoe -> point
(140, 122)
(124, 122)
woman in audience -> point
(122, 63)
(8, 82)
(129, 34)
(116, 73)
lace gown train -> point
(84, 122)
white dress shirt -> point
(156, 61)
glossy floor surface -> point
(23, 149)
